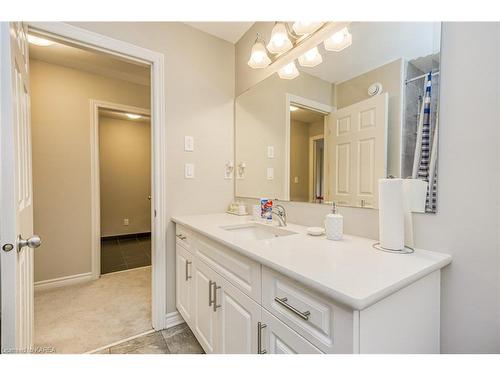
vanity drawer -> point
(184, 237)
(242, 272)
(327, 325)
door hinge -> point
(155, 213)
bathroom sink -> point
(256, 231)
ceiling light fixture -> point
(37, 41)
(338, 41)
(133, 116)
(311, 58)
(293, 108)
(289, 71)
(258, 56)
(305, 27)
(279, 42)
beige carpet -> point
(83, 317)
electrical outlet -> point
(188, 170)
(270, 173)
(188, 143)
(270, 152)
(125, 221)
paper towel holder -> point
(405, 250)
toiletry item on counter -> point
(315, 231)
(391, 213)
(256, 212)
(237, 208)
(415, 193)
(266, 209)
(334, 224)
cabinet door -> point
(237, 318)
(203, 322)
(278, 338)
(184, 283)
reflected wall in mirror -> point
(366, 112)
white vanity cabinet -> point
(234, 304)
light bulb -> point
(258, 56)
(289, 71)
(37, 41)
(305, 27)
(133, 116)
(279, 41)
(311, 58)
(293, 108)
(338, 41)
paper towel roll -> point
(391, 213)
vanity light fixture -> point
(338, 41)
(311, 58)
(37, 41)
(133, 116)
(305, 27)
(293, 108)
(289, 71)
(258, 56)
(279, 42)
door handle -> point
(260, 327)
(32, 242)
(187, 270)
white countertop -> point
(349, 271)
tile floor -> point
(124, 253)
(175, 340)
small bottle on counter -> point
(334, 224)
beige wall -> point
(465, 228)
(356, 90)
(199, 101)
(260, 122)
(299, 161)
(60, 115)
(125, 175)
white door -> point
(278, 338)
(16, 232)
(204, 318)
(357, 148)
(237, 319)
(184, 283)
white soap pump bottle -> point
(334, 224)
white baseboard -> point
(173, 319)
(63, 281)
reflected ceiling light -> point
(37, 41)
(293, 108)
(338, 41)
(133, 116)
(305, 27)
(279, 42)
(258, 56)
(289, 71)
(311, 58)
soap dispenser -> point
(334, 224)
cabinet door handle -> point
(187, 269)
(210, 301)
(215, 296)
(283, 302)
(260, 327)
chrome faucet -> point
(280, 213)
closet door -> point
(237, 319)
(278, 338)
(184, 283)
(203, 322)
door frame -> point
(95, 184)
(291, 99)
(94, 41)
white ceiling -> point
(92, 62)
(229, 31)
(306, 115)
(375, 44)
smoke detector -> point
(375, 89)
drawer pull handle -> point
(187, 270)
(260, 327)
(283, 302)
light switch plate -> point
(270, 173)
(270, 152)
(188, 170)
(188, 143)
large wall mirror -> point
(366, 112)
